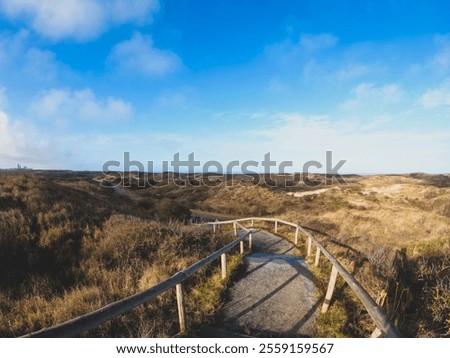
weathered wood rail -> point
(385, 328)
(91, 320)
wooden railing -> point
(91, 320)
(385, 328)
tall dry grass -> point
(68, 247)
(60, 234)
(391, 232)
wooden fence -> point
(91, 320)
(385, 328)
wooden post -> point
(276, 226)
(330, 289)
(316, 261)
(214, 228)
(253, 223)
(376, 333)
(309, 246)
(250, 242)
(296, 236)
(223, 264)
(180, 304)
(235, 228)
(241, 244)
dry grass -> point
(388, 231)
(66, 250)
(60, 234)
(127, 256)
(391, 232)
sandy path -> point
(275, 295)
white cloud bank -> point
(301, 138)
(80, 20)
(51, 144)
(12, 139)
(22, 143)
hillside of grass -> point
(68, 242)
(69, 246)
(391, 232)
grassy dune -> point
(69, 245)
(392, 232)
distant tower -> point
(18, 166)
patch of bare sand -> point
(386, 190)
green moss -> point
(332, 323)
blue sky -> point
(82, 81)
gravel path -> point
(275, 296)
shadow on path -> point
(275, 294)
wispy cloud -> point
(3, 99)
(368, 95)
(139, 56)
(300, 138)
(316, 42)
(79, 20)
(350, 71)
(441, 59)
(277, 86)
(18, 57)
(174, 99)
(437, 97)
(320, 58)
(80, 105)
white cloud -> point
(172, 99)
(389, 92)
(3, 99)
(40, 64)
(138, 55)
(301, 138)
(350, 71)
(122, 11)
(291, 136)
(12, 139)
(17, 57)
(22, 143)
(12, 46)
(436, 97)
(368, 95)
(441, 59)
(315, 42)
(288, 52)
(36, 144)
(64, 105)
(80, 20)
(307, 58)
(277, 86)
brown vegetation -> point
(67, 248)
(391, 232)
